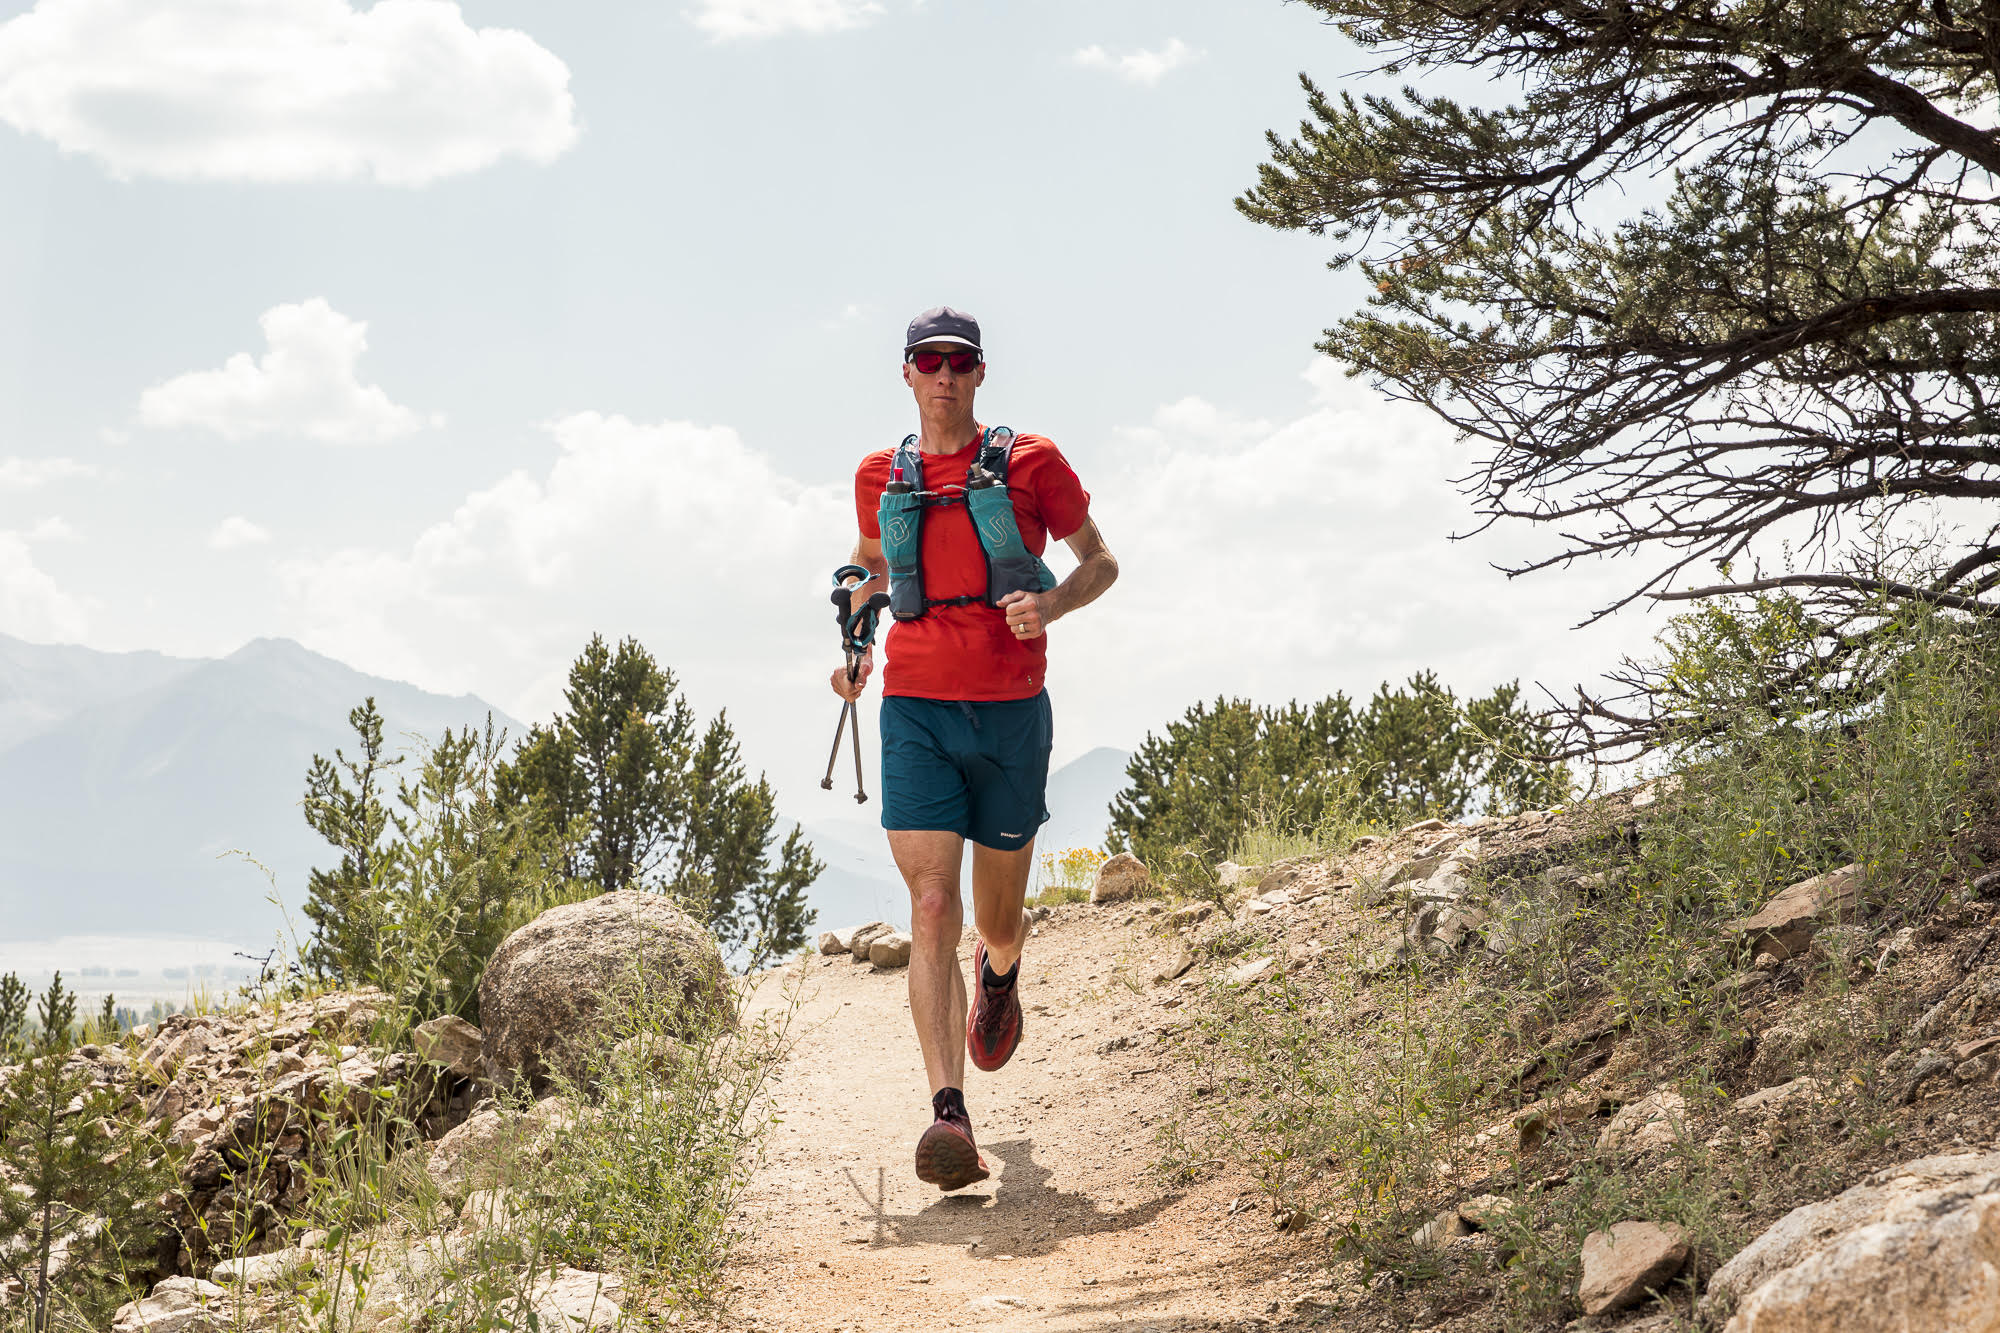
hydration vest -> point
(1010, 566)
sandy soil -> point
(1075, 1231)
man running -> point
(966, 726)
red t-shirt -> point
(967, 652)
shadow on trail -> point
(1017, 1213)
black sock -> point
(949, 1104)
(993, 980)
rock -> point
(1251, 972)
(1914, 1247)
(1177, 964)
(1402, 872)
(1657, 1120)
(1966, 1050)
(891, 950)
(265, 1270)
(1424, 826)
(548, 982)
(1229, 875)
(1457, 925)
(1929, 1064)
(1192, 914)
(487, 1209)
(996, 1304)
(1622, 1265)
(1120, 879)
(1537, 1120)
(1281, 881)
(833, 943)
(1786, 924)
(449, 1041)
(466, 1157)
(1445, 885)
(1441, 1230)
(570, 1300)
(1363, 843)
(178, 1305)
(1766, 1101)
(864, 937)
(1746, 986)
(1978, 1069)
(1486, 1211)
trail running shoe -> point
(946, 1155)
(993, 1028)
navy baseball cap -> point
(943, 325)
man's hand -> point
(1029, 613)
(850, 690)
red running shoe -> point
(946, 1155)
(993, 1028)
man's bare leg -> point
(930, 864)
(999, 888)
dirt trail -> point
(1075, 1231)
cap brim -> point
(942, 338)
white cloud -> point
(1142, 66)
(1292, 560)
(727, 20)
(676, 533)
(54, 528)
(402, 92)
(31, 605)
(236, 531)
(25, 474)
(305, 384)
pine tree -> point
(1413, 752)
(1708, 277)
(344, 805)
(656, 802)
(83, 1206)
(13, 1017)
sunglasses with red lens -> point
(929, 363)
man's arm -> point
(868, 555)
(1030, 614)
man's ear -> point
(979, 379)
(906, 375)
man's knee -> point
(934, 907)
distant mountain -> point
(130, 777)
(127, 779)
(1080, 794)
(41, 685)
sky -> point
(441, 336)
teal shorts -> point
(980, 770)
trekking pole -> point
(857, 635)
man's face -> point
(946, 390)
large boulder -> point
(547, 984)
(1909, 1249)
(1120, 879)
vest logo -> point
(898, 531)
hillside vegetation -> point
(1453, 1052)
